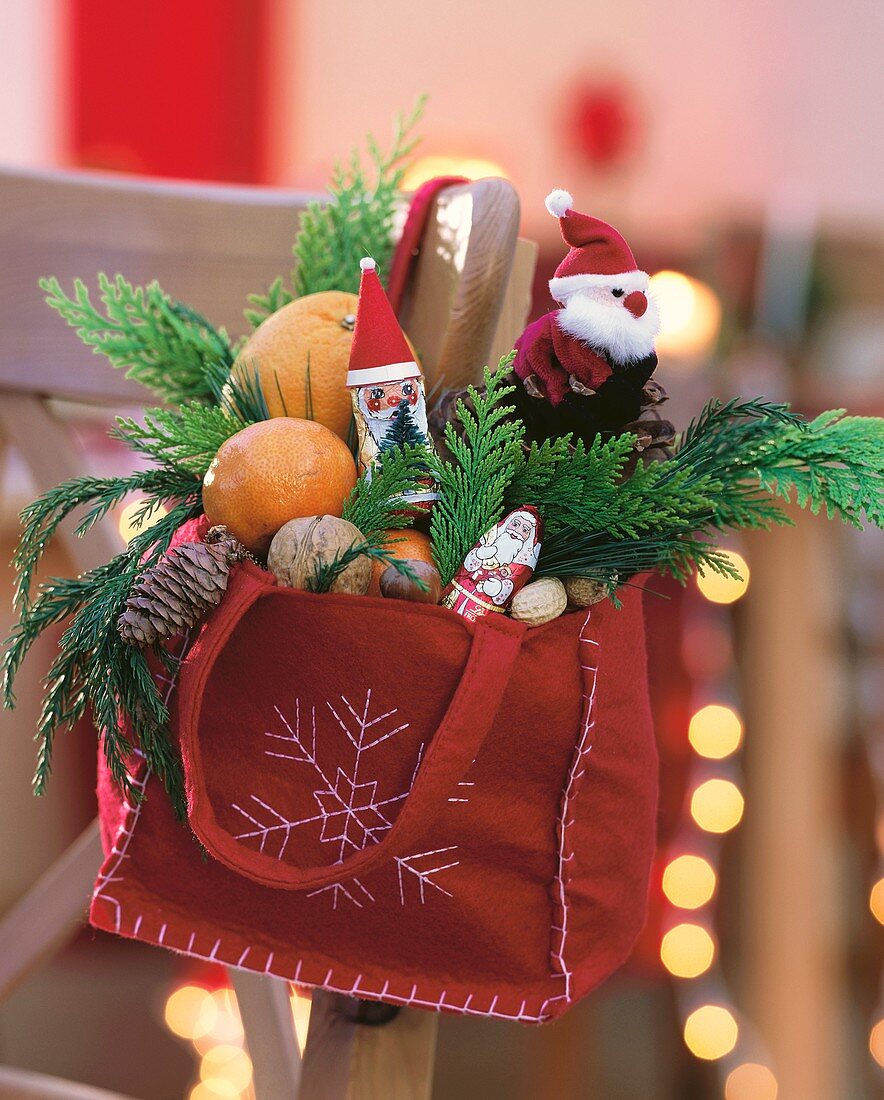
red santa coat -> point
(552, 355)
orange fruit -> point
(415, 545)
(272, 472)
(317, 329)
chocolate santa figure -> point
(501, 563)
(587, 364)
(389, 402)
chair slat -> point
(51, 911)
(266, 1011)
(209, 246)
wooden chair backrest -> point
(210, 246)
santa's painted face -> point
(384, 398)
(521, 526)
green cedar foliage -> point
(159, 342)
(357, 221)
(375, 505)
(94, 669)
(732, 464)
(473, 483)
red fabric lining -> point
(408, 245)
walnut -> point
(539, 602)
(302, 544)
(584, 591)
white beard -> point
(607, 326)
(507, 547)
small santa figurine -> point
(590, 360)
(501, 563)
(389, 402)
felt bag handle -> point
(495, 647)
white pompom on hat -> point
(559, 202)
(599, 255)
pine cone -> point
(176, 592)
(542, 421)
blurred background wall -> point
(736, 104)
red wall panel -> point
(170, 88)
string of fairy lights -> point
(712, 1028)
(868, 643)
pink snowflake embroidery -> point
(351, 813)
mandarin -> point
(415, 546)
(314, 331)
(274, 471)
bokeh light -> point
(687, 950)
(718, 588)
(190, 1011)
(690, 315)
(689, 881)
(750, 1081)
(427, 168)
(226, 1026)
(126, 519)
(876, 900)
(876, 1042)
(301, 1005)
(717, 805)
(711, 1032)
(715, 731)
(226, 1070)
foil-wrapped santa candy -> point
(389, 402)
(501, 563)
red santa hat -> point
(380, 352)
(599, 255)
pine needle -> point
(326, 573)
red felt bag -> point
(398, 804)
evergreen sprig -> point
(584, 487)
(42, 518)
(158, 341)
(274, 297)
(376, 503)
(732, 464)
(357, 221)
(761, 451)
(325, 573)
(184, 439)
(94, 668)
(473, 483)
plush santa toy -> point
(591, 359)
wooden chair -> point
(211, 246)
